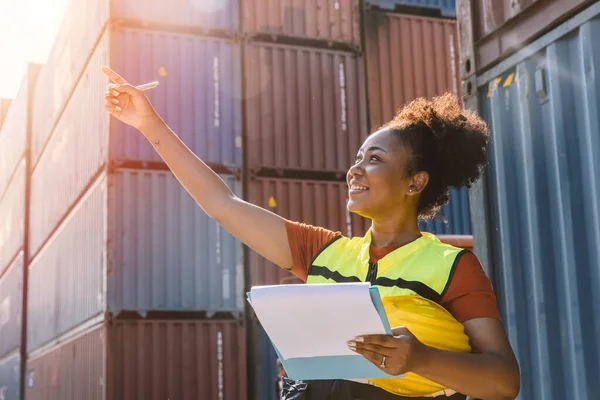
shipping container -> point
(305, 107)
(81, 30)
(501, 27)
(337, 20)
(144, 360)
(319, 203)
(211, 14)
(75, 153)
(200, 70)
(137, 241)
(165, 252)
(12, 218)
(443, 8)
(408, 56)
(11, 306)
(75, 41)
(10, 377)
(541, 192)
(14, 131)
(199, 96)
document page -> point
(315, 320)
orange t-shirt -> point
(469, 295)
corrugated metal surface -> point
(13, 136)
(75, 152)
(407, 57)
(74, 370)
(455, 213)
(11, 306)
(319, 203)
(73, 46)
(66, 278)
(263, 373)
(501, 27)
(158, 360)
(305, 107)
(10, 377)
(12, 218)
(543, 192)
(221, 14)
(144, 360)
(446, 8)
(337, 20)
(165, 252)
(199, 96)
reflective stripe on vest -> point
(423, 267)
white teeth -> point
(358, 188)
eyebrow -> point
(374, 148)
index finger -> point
(116, 78)
(379, 340)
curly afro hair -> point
(444, 140)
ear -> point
(418, 183)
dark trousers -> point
(348, 390)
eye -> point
(375, 158)
(357, 159)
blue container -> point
(447, 8)
(199, 96)
(543, 202)
(10, 377)
(456, 213)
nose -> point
(356, 169)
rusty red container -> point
(337, 20)
(319, 203)
(408, 56)
(305, 107)
(153, 360)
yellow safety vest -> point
(411, 281)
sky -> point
(27, 32)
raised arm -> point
(261, 230)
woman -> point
(402, 172)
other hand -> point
(394, 355)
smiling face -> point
(379, 184)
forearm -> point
(203, 184)
(483, 376)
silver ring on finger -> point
(382, 365)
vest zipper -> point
(372, 274)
